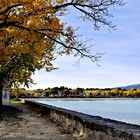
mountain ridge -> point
(135, 86)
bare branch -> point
(94, 11)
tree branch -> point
(9, 8)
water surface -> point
(125, 110)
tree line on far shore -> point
(78, 92)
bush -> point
(16, 99)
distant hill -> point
(135, 86)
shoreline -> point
(122, 110)
(82, 97)
(45, 122)
(89, 127)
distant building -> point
(81, 94)
(60, 93)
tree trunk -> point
(1, 87)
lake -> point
(125, 110)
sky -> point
(120, 63)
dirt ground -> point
(30, 125)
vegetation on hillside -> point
(78, 92)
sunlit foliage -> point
(78, 92)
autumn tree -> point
(31, 34)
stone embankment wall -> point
(86, 127)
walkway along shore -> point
(30, 125)
(43, 122)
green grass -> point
(15, 99)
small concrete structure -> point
(87, 127)
(5, 96)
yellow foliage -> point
(59, 1)
(28, 37)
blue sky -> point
(120, 63)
